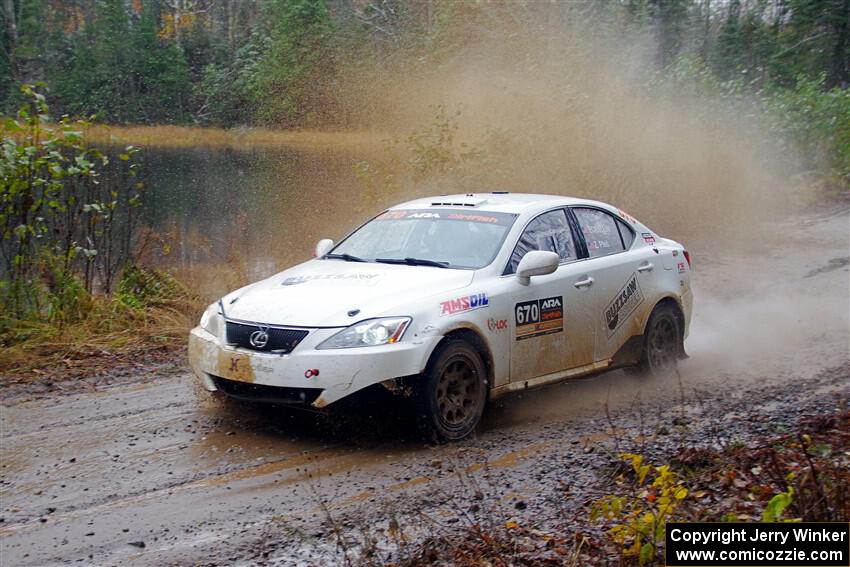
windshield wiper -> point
(413, 262)
(346, 257)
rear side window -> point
(600, 232)
(626, 233)
(550, 232)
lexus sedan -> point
(453, 301)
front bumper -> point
(341, 372)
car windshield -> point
(444, 238)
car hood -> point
(322, 293)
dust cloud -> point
(567, 107)
(551, 103)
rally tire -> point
(662, 344)
(451, 394)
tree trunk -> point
(231, 24)
(839, 74)
(12, 32)
(178, 14)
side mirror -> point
(536, 263)
(323, 246)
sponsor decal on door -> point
(623, 304)
(539, 317)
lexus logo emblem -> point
(259, 339)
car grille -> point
(280, 341)
(267, 394)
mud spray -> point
(556, 102)
(561, 105)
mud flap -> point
(629, 354)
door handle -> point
(645, 267)
(584, 283)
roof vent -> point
(458, 202)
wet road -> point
(146, 472)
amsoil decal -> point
(465, 303)
(497, 324)
(623, 305)
(648, 238)
(539, 317)
(359, 279)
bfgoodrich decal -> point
(356, 278)
(623, 304)
(539, 317)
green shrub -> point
(817, 121)
(68, 214)
(141, 287)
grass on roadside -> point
(135, 324)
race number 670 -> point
(527, 313)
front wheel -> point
(662, 341)
(450, 397)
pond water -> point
(255, 210)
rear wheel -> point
(662, 341)
(450, 397)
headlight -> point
(372, 332)
(211, 320)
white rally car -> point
(454, 300)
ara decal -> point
(539, 317)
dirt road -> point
(141, 472)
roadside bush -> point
(800, 476)
(72, 290)
(817, 121)
(68, 214)
(140, 288)
(639, 517)
(805, 119)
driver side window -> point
(550, 232)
